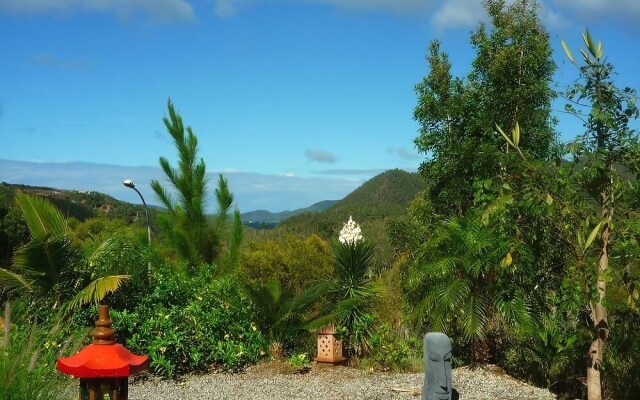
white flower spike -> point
(350, 233)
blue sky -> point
(294, 101)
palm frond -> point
(512, 306)
(274, 290)
(452, 293)
(474, 317)
(41, 216)
(45, 258)
(97, 290)
(12, 282)
(321, 322)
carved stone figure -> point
(437, 373)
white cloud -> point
(457, 14)
(589, 11)
(252, 191)
(158, 10)
(368, 173)
(453, 14)
(226, 8)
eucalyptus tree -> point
(474, 262)
(509, 81)
(608, 148)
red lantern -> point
(104, 366)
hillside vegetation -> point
(372, 204)
(77, 204)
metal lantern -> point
(104, 367)
(329, 347)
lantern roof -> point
(103, 358)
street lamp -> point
(129, 183)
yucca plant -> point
(350, 290)
(51, 266)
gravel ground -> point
(332, 383)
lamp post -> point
(129, 183)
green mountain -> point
(380, 198)
(267, 217)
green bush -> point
(192, 324)
(392, 351)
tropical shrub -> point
(469, 281)
(392, 350)
(295, 262)
(51, 267)
(282, 316)
(192, 324)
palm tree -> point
(465, 278)
(283, 314)
(51, 266)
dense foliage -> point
(190, 324)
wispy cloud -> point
(457, 14)
(452, 14)
(227, 8)
(157, 10)
(351, 172)
(320, 156)
(399, 6)
(403, 153)
(588, 11)
(49, 60)
(252, 191)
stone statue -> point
(437, 371)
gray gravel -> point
(331, 384)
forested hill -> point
(79, 204)
(383, 196)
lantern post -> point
(104, 367)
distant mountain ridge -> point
(268, 217)
(383, 196)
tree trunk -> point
(599, 312)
